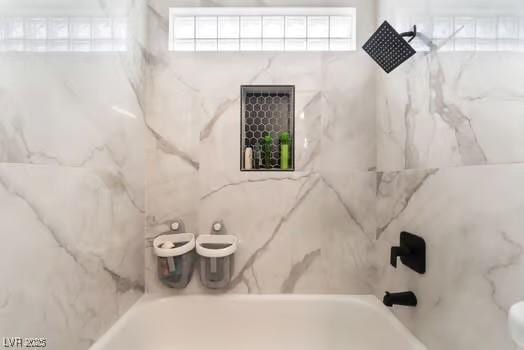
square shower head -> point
(388, 48)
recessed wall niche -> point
(267, 128)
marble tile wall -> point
(193, 161)
(94, 144)
(71, 181)
(449, 161)
(471, 218)
(445, 108)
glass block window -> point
(468, 32)
(63, 34)
(262, 29)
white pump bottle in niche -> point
(248, 158)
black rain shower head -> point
(388, 48)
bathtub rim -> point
(368, 300)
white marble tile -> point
(471, 220)
(348, 138)
(286, 246)
(72, 179)
(446, 108)
(71, 253)
(72, 111)
(193, 161)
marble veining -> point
(83, 256)
(432, 114)
(97, 148)
(71, 181)
(193, 166)
(470, 219)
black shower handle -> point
(398, 252)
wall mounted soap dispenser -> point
(412, 252)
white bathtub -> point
(252, 322)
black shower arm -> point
(411, 34)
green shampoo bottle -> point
(284, 151)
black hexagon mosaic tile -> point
(267, 110)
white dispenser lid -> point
(230, 240)
(187, 238)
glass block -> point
(508, 45)
(317, 44)
(103, 45)
(14, 28)
(58, 45)
(102, 28)
(486, 28)
(446, 45)
(273, 27)
(296, 26)
(228, 27)
(273, 45)
(58, 28)
(296, 44)
(508, 28)
(228, 44)
(36, 28)
(318, 26)
(442, 27)
(206, 27)
(403, 23)
(465, 27)
(340, 26)
(465, 44)
(422, 23)
(120, 45)
(81, 45)
(420, 45)
(206, 45)
(35, 45)
(250, 44)
(80, 28)
(184, 45)
(14, 45)
(250, 27)
(120, 28)
(486, 45)
(340, 44)
(184, 27)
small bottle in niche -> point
(248, 158)
(284, 151)
(257, 157)
(268, 148)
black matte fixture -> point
(412, 252)
(388, 48)
(403, 298)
